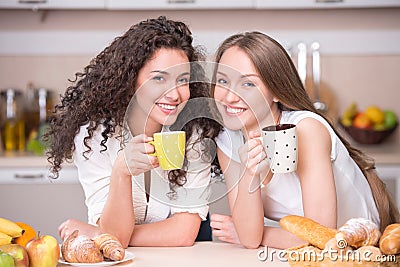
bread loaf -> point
(308, 230)
(390, 240)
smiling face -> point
(163, 89)
(242, 98)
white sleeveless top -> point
(282, 195)
(95, 173)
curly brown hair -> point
(114, 72)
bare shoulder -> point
(312, 130)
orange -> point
(362, 121)
(29, 234)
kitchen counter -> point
(386, 153)
(202, 254)
(23, 159)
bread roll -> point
(358, 232)
(80, 249)
(308, 230)
(369, 253)
(110, 246)
(390, 240)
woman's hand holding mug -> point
(136, 156)
(169, 149)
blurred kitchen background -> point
(44, 44)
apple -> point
(390, 119)
(18, 252)
(43, 251)
(6, 260)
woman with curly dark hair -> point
(157, 57)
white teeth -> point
(234, 110)
(165, 106)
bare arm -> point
(316, 173)
(179, 230)
(246, 208)
(118, 216)
(316, 180)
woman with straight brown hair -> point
(333, 181)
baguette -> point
(308, 230)
(390, 240)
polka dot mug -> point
(280, 144)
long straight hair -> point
(280, 75)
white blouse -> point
(282, 195)
(95, 172)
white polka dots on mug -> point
(280, 144)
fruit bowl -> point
(368, 136)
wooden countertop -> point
(202, 254)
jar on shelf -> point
(13, 124)
(38, 109)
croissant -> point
(358, 232)
(110, 246)
(80, 249)
(390, 240)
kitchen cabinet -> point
(126, 4)
(390, 174)
(28, 195)
(194, 4)
(179, 4)
(52, 4)
(322, 4)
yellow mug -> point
(169, 149)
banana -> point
(347, 118)
(5, 239)
(10, 228)
(351, 111)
